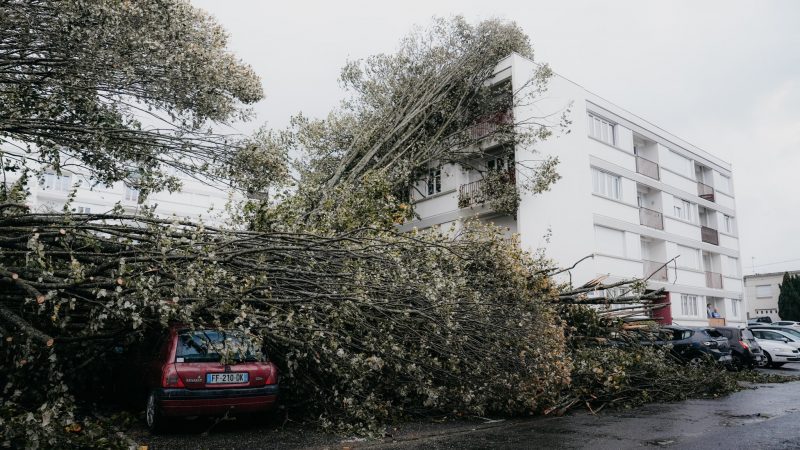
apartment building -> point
(633, 196)
(761, 293)
(195, 201)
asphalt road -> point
(765, 417)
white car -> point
(778, 353)
(786, 323)
(787, 335)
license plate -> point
(225, 378)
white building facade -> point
(761, 292)
(195, 201)
(631, 195)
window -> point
(83, 210)
(606, 184)
(689, 305)
(727, 223)
(434, 181)
(734, 307)
(500, 163)
(54, 182)
(771, 335)
(131, 193)
(688, 257)
(725, 184)
(764, 291)
(679, 164)
(683, 209)
(601, 129)
(733, 266)
(609, 241)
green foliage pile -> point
(616, 365)
(367, 326)
(789, 298)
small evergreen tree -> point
(789, 298)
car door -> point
(777, 336)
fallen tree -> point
(368, 326)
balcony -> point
(471, 194)
(647, 168)
(705, 191)
(490, 124)
(651, 218)
(657, 271)
(717, 322)
(498, 187)
(709, 235)
(714, 280)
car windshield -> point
(794, 333)
(713, 333)
(746, 334)
(216, 345)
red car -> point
(208, 372)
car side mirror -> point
(786, 340)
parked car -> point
(207, 372)
(759, 320)
(778, 353)
(695, 345)
(745, 351)
(785, 335)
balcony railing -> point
(490, 124)
(471, 194)
(475, 193)
(647, 168)
(657, 271)
(705, 191)
(651, 218)
(709, 235)
(714, 280)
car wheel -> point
(769, 359)
(152, 415)
(696, 360)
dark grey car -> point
(697, 344)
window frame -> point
(622, 253)
(727, 221)
(687, 206)
(697, 258)
(597, 125)
(434, 181)
(768, 286)
(689, 305)
(128, 193)
(55, 182)
(605, 183)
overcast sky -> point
(723, 75)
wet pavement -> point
(765, 417)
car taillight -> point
(170, 379)
(273, 375)
(744, 344)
